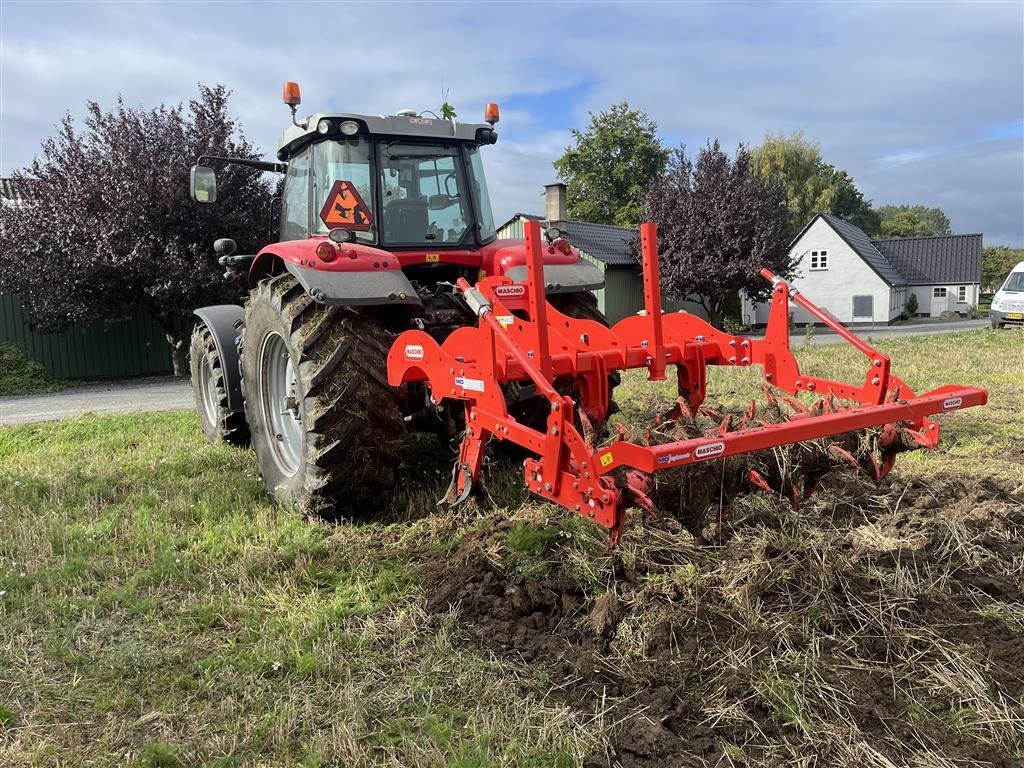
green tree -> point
(812, 185)
(996, 263)
(610, 165)
(912, 221)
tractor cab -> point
(393, 181)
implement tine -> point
(840, 452)
(795, 404)
(757, 479)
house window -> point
(863, 306)
(939, 292)
(819, 259)
(961, 294)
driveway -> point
(169, 393)
(165, 393)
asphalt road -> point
(165, 393)
(168, 393)
(823, 336)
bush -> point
(734, 327)
(912, 304)
(21, 376)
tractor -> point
(390, 305)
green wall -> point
(135, 347)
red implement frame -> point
(522, 338)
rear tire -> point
(326, 428)
(219, 424)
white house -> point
(858, 280)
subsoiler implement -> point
(521, 338)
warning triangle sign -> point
(346, 208)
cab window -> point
(295, 201)
(480, 196)
(345, 160)
(423, 194)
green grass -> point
(157, 610)
(144, 574)
(21, 376)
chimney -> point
(554, 203)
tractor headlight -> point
(350, 128)
(323, 127)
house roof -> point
(13, 190)
(527, 216)
(604, 242)
(945, 259)
(608, 244)
(862, 245)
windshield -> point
(342, 191)
(424, 195)
(1014, 283)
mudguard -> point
(351, 288)
(226, 322)
(564, 278)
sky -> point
(922, 103)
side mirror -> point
(439, 202)
(203, 184)
(224, 246)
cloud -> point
(921, 103)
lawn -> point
(157, 610)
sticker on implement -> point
(432, 258)
(473, 385)
(709, 451)
(413, 352)
(345, 208)
(606, 459)
(505, 320)
(952, 402)
(510, 291)
(672, 458)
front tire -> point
(209, 387)
(326, 428)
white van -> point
(1008, 303)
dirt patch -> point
(888, 625)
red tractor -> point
(390, 305)
(380, 217)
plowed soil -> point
(876, 626)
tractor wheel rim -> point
(279, 403)
(208, 387)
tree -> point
(111, 230)
(719, 222)
(912, 221)
(850, 204)
(996, 263)
(812, 186)
(610, 165)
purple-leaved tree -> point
(110, 228)
(719, 222)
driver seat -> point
(406, 221)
